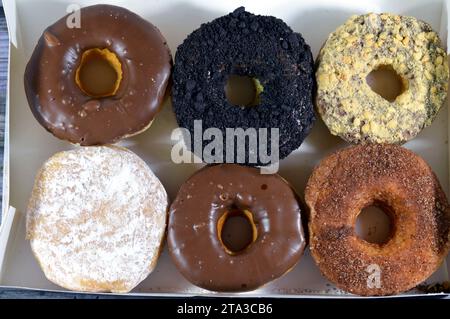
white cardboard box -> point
(28, 145)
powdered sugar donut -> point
(96, 219)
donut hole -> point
(386, 82)
(99, 73)
(242, 90)
(236, 230)
(374, 224)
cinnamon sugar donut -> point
(404, 186)
(96, 219)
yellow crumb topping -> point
(346, 102)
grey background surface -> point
(3, 85)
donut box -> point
(27, 145)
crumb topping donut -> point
(405, 188)
(96, 219)
(407, 46)
(263, 48)
(200, 210)
(101, 82)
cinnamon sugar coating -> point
(404, 185)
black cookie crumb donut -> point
(261, 47)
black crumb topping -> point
(262, 47)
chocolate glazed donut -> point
(198, 214)
(133, 47)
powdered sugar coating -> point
(96, 219)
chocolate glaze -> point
(193, 237)
(59, 104)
